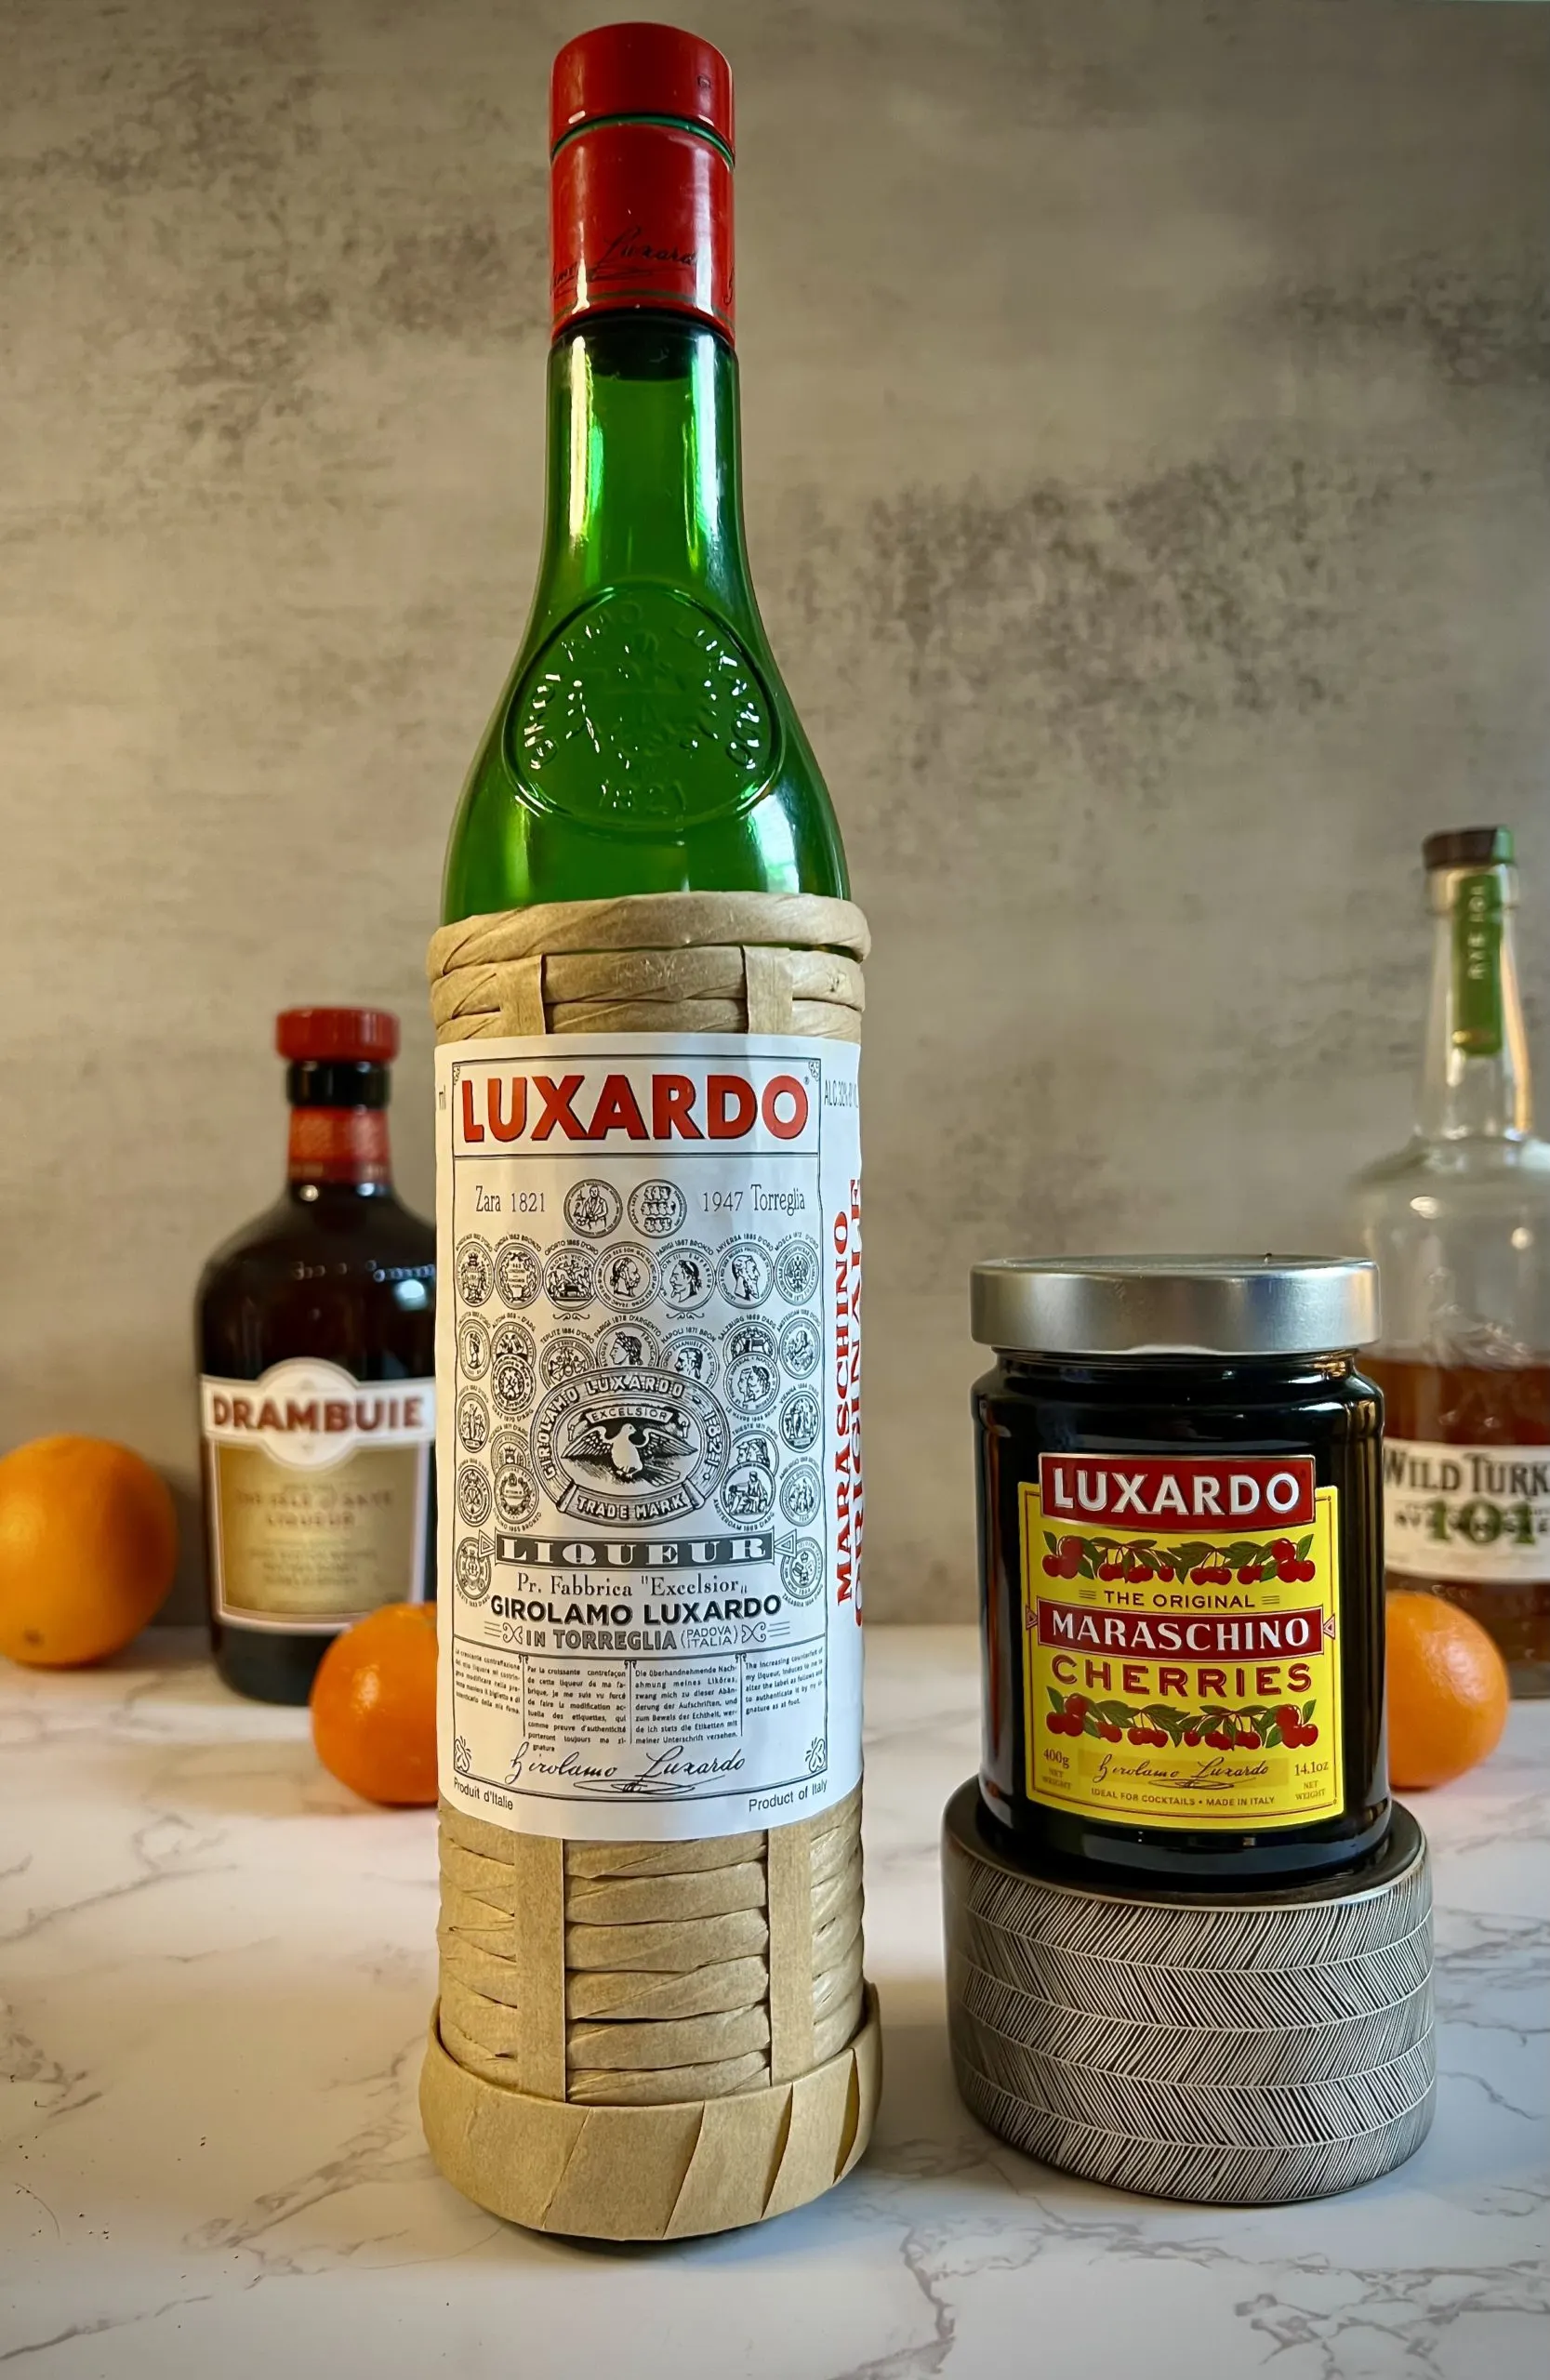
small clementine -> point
(1448, 1691)
(374, 1705)
(88, 1544)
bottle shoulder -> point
(250, 1241)
(645, 742)
(356, 1290)
(1460, 1232)
(367, 1238)
(1487, 1164)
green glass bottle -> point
(644, 741)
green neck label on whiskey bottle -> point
(1478, 964)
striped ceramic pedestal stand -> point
(1249, 2051)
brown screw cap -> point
(1469, 847)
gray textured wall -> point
(1146, 415)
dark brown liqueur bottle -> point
(316, 1326)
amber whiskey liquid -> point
(316, 1329)
(1468, 1492)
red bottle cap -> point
(640, 70)
(640, 177)
(367, 1035)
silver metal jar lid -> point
(1176, 1305)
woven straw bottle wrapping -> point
(640, 2038)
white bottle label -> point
(649, 1454)
(317, 1494)
(1458, 1512)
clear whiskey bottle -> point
(1459, 1224)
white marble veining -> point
(215, 1967)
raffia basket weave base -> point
(651, 2041)
(665, 2173)
(1224, 2052)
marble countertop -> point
(215, 1967)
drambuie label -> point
(317, 1494)
(309, 1415)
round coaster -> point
(1246, 2051)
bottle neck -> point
(644, 468)
(339, 1132)
(1475, 1081)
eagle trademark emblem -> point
(629, 1447)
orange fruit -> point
(88, 1544)
(1448, 1691)
(374, 1705)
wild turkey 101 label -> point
(1179, 1657)
(649, 1451)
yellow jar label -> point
(1180, 1664)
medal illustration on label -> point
(570, 1276)
(565, 1353)
(628, 1346)
(658, 1208)
(796, 1267)
(625, 1277)
(474, 1347)
(516, 1495)
(748, 1493)
(745, 1275)
(801, 1570)
(801, 1494)
(800, 1346)
(472, 1567)
(473, 1423)
(519, 1272)
(693, 1353)
(752, 1369)
(473, 1493)
(508, 1451)
(475, 1271)
(512, 1385)
(688, 1275)
(593, 1209)
(801, 1420)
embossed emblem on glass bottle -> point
(644, 710)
